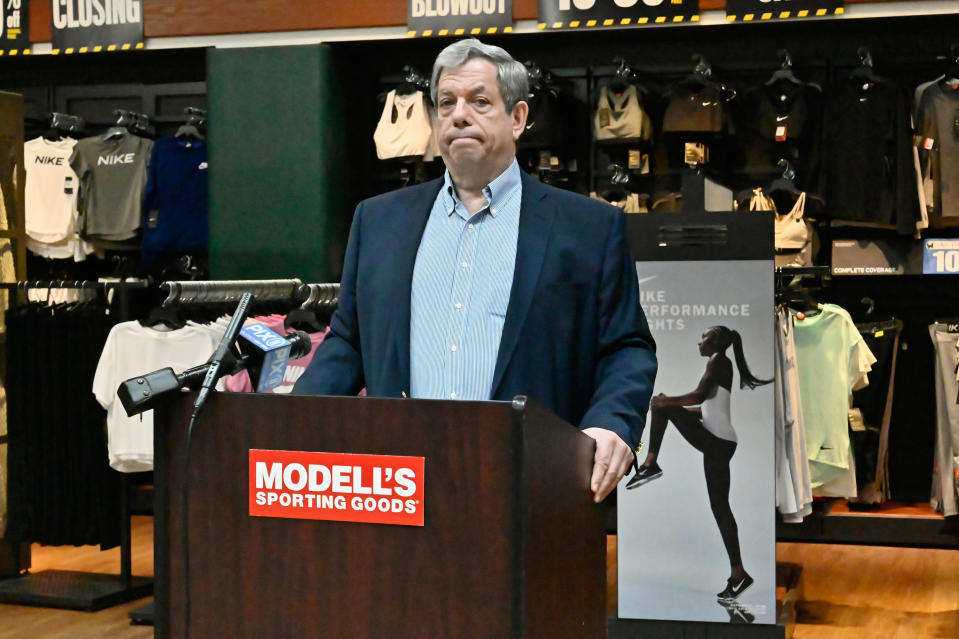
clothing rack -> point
(105, 284)
(836, 521)
(796, 285)
(72, 589)
(785, 274)
(222, 291)
(66, 123)
(308, 296)
(321, 296)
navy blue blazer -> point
(575, 337)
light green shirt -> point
(832, 360)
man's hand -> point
(610, 463)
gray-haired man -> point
(486, 284)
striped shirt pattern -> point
(461, 285)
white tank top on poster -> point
(716, 415)
(404, 128)
(621, 117)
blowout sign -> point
(81, 26)
(749, 10)
(14, 18)
(572, 14)
(375, 489)
(458, 17)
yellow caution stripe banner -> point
(617, 22)
(99, 48)
(457, 31)
(785, 15)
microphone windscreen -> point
(301, 345)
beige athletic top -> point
(621, 117)
(404, 128)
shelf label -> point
(940, 257)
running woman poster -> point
(696, 523)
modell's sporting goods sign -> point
(375, 489)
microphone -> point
(262, 350)
(142, 393)
(224, 348)
(269, 352)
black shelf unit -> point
(868, 528)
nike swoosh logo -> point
(780, 118)
(529, 126)
(643, 280)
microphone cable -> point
(186, 528)
(216, 370)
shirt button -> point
(453, 395)
(453, 348)
(469, 226)
(459, 305)
(464, 265)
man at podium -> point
(487, 284)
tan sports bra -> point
(404, 128)
(621, 117)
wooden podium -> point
(512, 546)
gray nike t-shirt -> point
(113, 173)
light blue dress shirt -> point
(462, 280)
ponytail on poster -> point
(746, 378)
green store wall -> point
(277, 164)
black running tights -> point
(716, 455)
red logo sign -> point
(376, 489)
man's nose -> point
(460, 113)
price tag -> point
(940, 257)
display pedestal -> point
(73, 590)
(643, 628)
(789, 593)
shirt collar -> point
(498, 193)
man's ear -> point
(519, 115)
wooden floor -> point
(25, 622)
(849, 592)
(874, 591)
